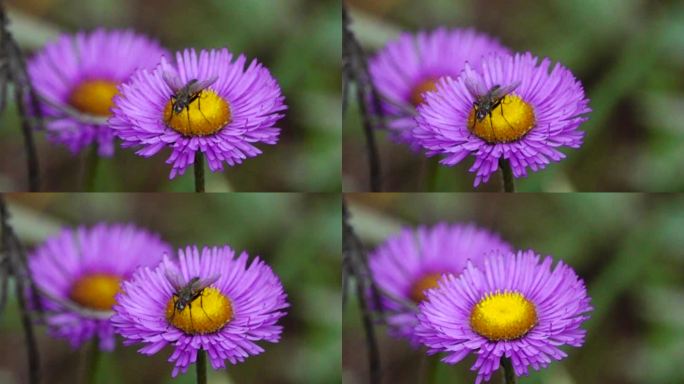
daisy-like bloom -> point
(80, 73)
(409, 263)
(78, 273)
(208, 300)
(409, 66)
(516, 306)
(207, 103)
(509, 107)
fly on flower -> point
(491, 122)
(240, 105)
(185, 94)
(240, 303)
(486, 101)
(186, 293)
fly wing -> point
(475, 87)
(198, 85)
(175, 279)
(207, 281)
(173, 81)
(505, 90)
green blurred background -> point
(298, 235)
(298, 40)
(629, 54)
(627, 248)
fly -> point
(186, 293)
(486, 101)
(185, 94)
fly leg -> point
(170, 320)
(199, 108)
(512, 128)
(175, 300)
(202, 306)
(173, 104)
(187, 113)
(475, 109)
(491, 126)
(192, 326)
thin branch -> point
(15, 263)
(29, 144)
(29, 334)
(355, 259)
(73, 113)
(13, 68)
(72, 307)
(355, 67)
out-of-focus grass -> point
(299, 41)
(628, 55)
(298, 235)
(627, 248)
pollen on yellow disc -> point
(509, 121)
(503, 316)
(206, 115)
(426, 282)
(96, 291)
(424, 86)
(93, 97)
(208, 313)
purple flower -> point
(409, 66)
(411, 262)
(229, 109)
(540, 112)
(83, 268)
(81, 73)
(233, 306)
(514, 307)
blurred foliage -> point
(627, 248)
(299, 41)
(298, 235)
(629, 54)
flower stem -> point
(201, 366)
(509, 373)
(431, 364)
(433, 170)
(199, 171)
(92, 162)
(93, 360)
(507, 175)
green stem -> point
(93, 361)
(199, 171)
(432, 173)
(509, 373)
(431, 364)
(201, 366)
(507, 175)
(92, 162)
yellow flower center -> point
(93, 97)
(428, 85)
(207, 313)
(503, 316)
(205, 115)
(423, 284)
(96, 291)
(509, 121)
